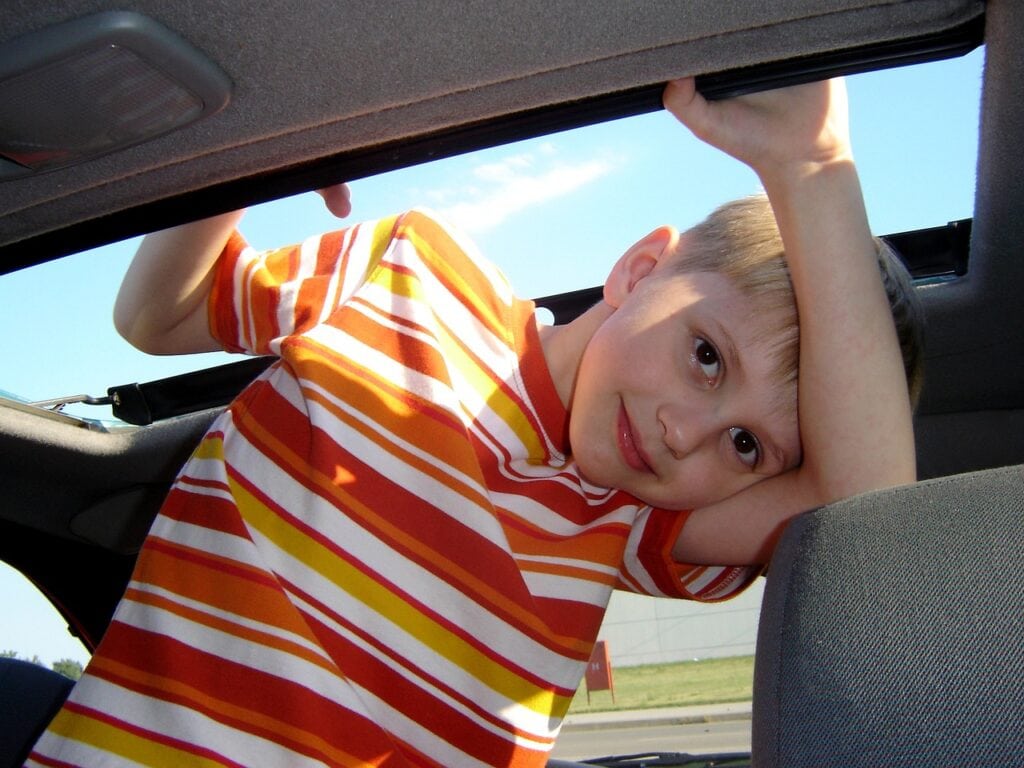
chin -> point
(593, 478)
(594, 471)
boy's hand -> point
(773, 132)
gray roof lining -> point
(438, 65)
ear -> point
(637, 262)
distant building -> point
(646, 630)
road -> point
(724, 736)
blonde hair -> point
(741, 240)
(907, 314)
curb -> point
(665, 716)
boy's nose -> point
(684, 429)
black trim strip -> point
(946, 44)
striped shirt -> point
(381, 553)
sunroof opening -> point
(552, 212)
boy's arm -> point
(854, 411)
(161, 306)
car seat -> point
(892, 630)
(30, 696)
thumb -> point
(681, 98)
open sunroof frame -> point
(370, 161)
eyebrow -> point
(732, 355)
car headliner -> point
(335, 90)
(327, 78)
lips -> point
(629, 444)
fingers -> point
(768, 130)
(338, 199)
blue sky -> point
(554, 213)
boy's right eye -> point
(706, 356)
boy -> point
(384, 552)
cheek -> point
(592, 447)
(595, 394)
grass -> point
(708, 681)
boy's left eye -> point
(746, 445)
(706, 356)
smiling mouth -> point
(629, 446)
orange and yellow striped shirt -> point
(381, 553)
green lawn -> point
(709, 681)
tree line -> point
(67, 667)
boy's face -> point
(676, 400)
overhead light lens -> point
(89, 87)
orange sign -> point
(599, 671)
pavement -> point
(708, 713)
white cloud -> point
(514, 183)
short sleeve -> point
(259, 298)
(648, 567)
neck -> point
(564, 345)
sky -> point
(553, 213)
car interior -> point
(892, 623)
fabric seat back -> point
(892, 630)
(30, 696)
